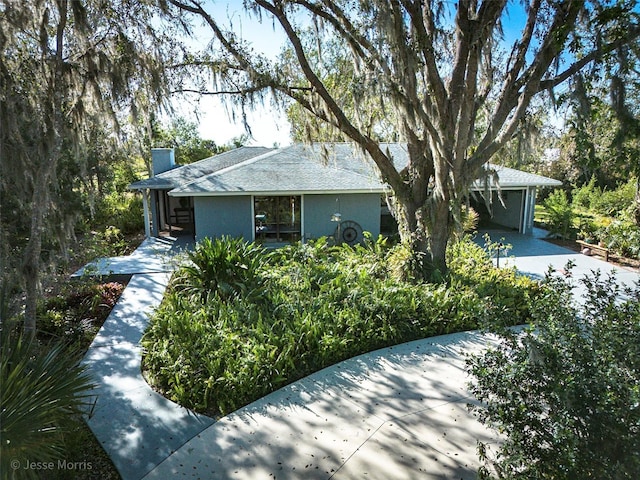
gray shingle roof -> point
(510, 178)
(184, 174)
(298, 168)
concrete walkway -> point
(137, 427)
(154, 255)
(400, 412)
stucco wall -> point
(361, 208)
(509, 217)
(218, 216)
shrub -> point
(559, 214)
(564, 392)
(121, 210)
(468, 220)
(77, 311)
(622, 237)
(401, 262)
(588, 230)
(586, 195)
(507, 294)
(225, 267)
(613, 202)
(109, 242)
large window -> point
(277, 219)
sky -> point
(268, 126)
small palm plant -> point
(39, 395)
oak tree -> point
(455, 85)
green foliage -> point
(402, 262)
(559, 214)
(225, 267)
(588, 230)
(611, 203)
(109, 242)
(565, 392)
(586, 195)
(622, 237)
(245, 322)
(182, 135)
(470, 219)
(41, 391)
(506, 295)
(120, 210)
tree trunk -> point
(439, 237)
(421, 206)
(33, 251)
(424, 229)
(637, 202)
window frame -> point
(269, 227)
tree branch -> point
(633, 34)
(387, 170)
(518, 90)
(241, 91)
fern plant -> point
(560, 214)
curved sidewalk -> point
(400, 412)
(396, 413)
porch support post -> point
(529, 210)
(155, 213)
(532, 207)
(524, 221)
(145, 208)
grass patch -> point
(271, 318)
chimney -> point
(162, 160)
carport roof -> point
(316, 168)
(512, 178)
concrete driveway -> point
(533, 256)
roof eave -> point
(275, 193)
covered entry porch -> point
(174, 215)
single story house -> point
(299, 192)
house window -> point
(277, 219)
